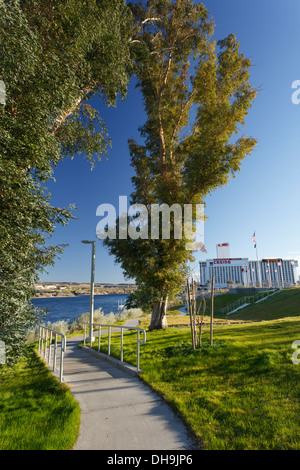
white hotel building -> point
(241, 271)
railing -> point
(122, 328)
(246, 301)
(45, 350)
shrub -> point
(66, 327)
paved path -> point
(118, 411)
(183, 310)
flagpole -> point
(258, 265)
(253, 276)
(269, 270)
(281, 272)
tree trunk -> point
(158, 315)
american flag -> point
(254, 239)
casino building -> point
(242, 271)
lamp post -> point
(2, 93)
(93, 243)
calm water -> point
(69, 308)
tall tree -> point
(196, 95)
(54, 57)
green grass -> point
(224, 300)
(220, 301)
(184, 320)
(242, 393)
(173, 310)
(283, 304)
(36, 411)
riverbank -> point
(72, 290)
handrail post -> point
(54, 353)
(122, 344)
(109, 335)
(84, 335)
(39, 347)
(62, 357)
(42, 339)
(49, 351)
(44, 333)
(138, 350)
(99, 338)
(46, 341)
(122, 328)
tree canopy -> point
(54, 57)
(196, 95)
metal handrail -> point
(236, 304)
(247, 300)
(110, 327)
(45, 351)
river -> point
(69, 308)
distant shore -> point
(75, 291)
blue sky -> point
(264, 194)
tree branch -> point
(150, 19)
(59, 120)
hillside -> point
(284, 304)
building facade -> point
(242, 271)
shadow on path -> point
(118, 411)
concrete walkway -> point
(118, 411)
(183, 310)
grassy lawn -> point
(37, 412)
(177, 320)
(242, 393)
(220, 301)
(283, 304)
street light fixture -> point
(93, 243)
(2, 93)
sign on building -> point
(223, 250)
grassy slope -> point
(220, 301)
(283, 304)
(241, 394)
(37, 412)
